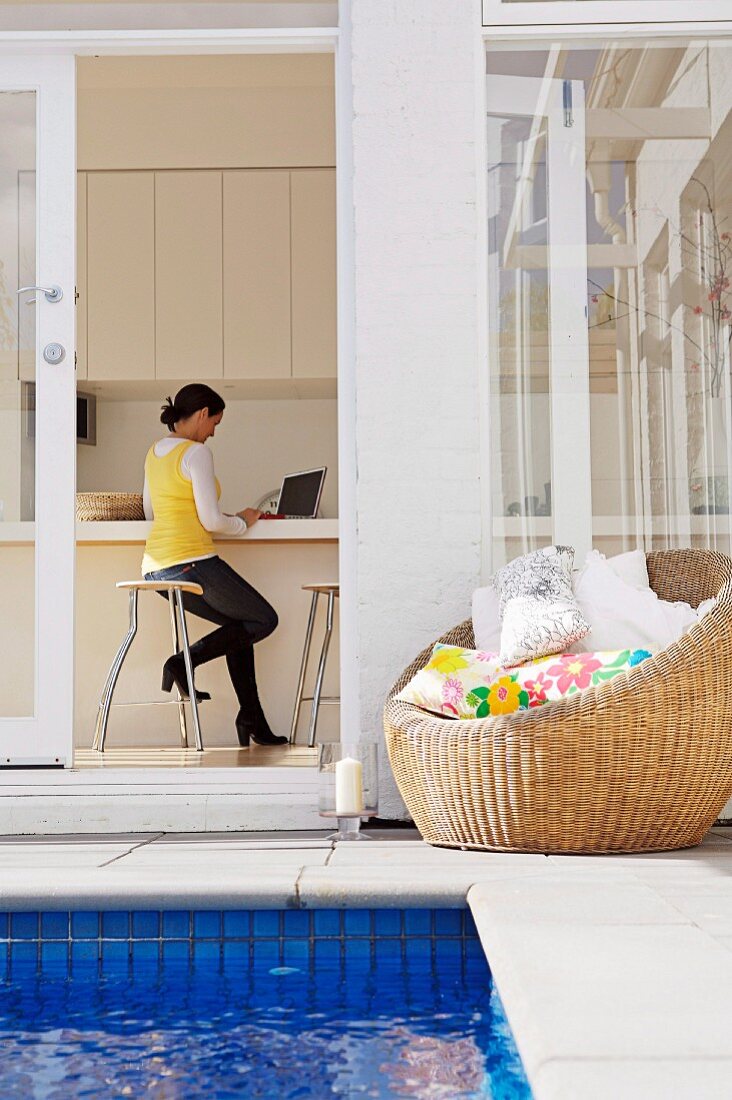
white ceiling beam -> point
(648, 123)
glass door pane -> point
(654, 225)
(17, 398)
(37, 402)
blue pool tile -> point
(236, 950)
(296, 922)
(24, 926)
(146, 925)
(469, 929)
(54, 926)
(473, 949)
(448, 922)
(388, 922)
(418, 922)
(115, 951)
(4, 954)
(177, 923)
(357, 948)
(207, 924)
(23, 951)
(84, 951)
(84, 926)
(357, 922)
(418, 950)
(115, 925)
(207, 950)
(327, 922)
(55, 953)
(145, 951)
(388, 948)
(266, 952)
(176, 950)
(295, 952)
(327, 950)
(4, 926)
(448, 950)
(266, 922)
(237, 924)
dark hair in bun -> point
(191, 399)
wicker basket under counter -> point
(109, 506)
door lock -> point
(54, 353)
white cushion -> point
(486, 619)
(539, 614)
(625, 617)
(631, 567)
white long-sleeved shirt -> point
(198, 468)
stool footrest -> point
(323, 699)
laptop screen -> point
(300, 493)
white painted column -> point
(416, 350)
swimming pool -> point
(261, 1003)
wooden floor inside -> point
(256, 756)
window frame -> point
(583, 13)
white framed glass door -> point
(610, 292)
(37, 408)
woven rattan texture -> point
(641, 763)
(109, 506)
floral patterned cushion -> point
(471, 683)
(539, 614)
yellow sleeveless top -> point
(177, 533)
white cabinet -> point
(313, 273)
(257, 274)
(120, 275)
(206, 274)
(188, 275)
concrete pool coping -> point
(615, 971)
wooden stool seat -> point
(163, 586)
(174, 591)
(331, 590)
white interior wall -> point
(257, 443)
(415, 67)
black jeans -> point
(243, 617)
(227, 598)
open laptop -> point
(299, 495)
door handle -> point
(53, 293)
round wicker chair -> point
(640, 763)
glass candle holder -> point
(348, 786)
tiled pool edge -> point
(276, 936)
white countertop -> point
(131, 532)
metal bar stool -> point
(318, 590)
(175, 590)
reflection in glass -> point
(17, 400)
(653, 247)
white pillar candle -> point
(348, 786)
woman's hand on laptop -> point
(249, 515)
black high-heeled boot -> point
(174, 672)
(251, 723)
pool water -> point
(369, 1017)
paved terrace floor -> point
(616, 972)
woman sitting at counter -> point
(181, 497)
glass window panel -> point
(655, 250)
(17, 401)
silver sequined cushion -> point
(539, 614)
